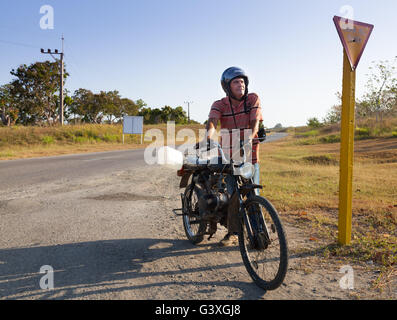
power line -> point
(19, 44)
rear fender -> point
(185, 180)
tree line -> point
(32, 98)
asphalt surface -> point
(24, 172)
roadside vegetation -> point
(302, 180)
(32, 141)
(367, 128)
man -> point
(238, 110)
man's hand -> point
(255, 128)
(211, 127)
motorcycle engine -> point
(216, 201)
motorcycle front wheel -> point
(263, 243)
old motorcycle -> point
(222, 191)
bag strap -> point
(234, 118)
(245, 109)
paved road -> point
(25, 172)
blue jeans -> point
(255, 180)
(256, 177)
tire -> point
(192, 223)
(260, 256)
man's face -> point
(237, 86)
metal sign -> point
(354, 36)
(132, 125)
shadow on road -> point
(83, 270)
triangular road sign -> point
(354, 36)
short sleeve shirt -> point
(222, 111)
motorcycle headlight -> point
(246, 170)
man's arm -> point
(254, 127)
(211, 127)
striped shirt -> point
(222, 111)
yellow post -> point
(346, 152)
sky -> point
(167, 52)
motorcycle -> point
(218, 191)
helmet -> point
(231, 74)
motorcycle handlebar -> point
(218, 146)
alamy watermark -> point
(231, 141)
(347, 281)
(47, 281)
(47, 20)
(347, 13)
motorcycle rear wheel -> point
(193, 224)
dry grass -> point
(303, 183)
(364, 129)
(28, 142)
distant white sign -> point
(133, 125)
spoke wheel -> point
(263, 244)
(194, 226)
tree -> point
(8, 109)
(381, 97)
(111, 104)
(167, 113)
(313, 123)
(278, 126)
(128, 107)
(88, 105)
(334, 115)
(35, 91)
(179, 115)
(140, 104)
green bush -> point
(111, 137)
(91, 134)
(307, 134)
(333, 138)
(80, 140)
(324, 159)
(314, 123)
(47, 140)
(363, 132)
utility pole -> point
(188, 109)
(61, 98)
